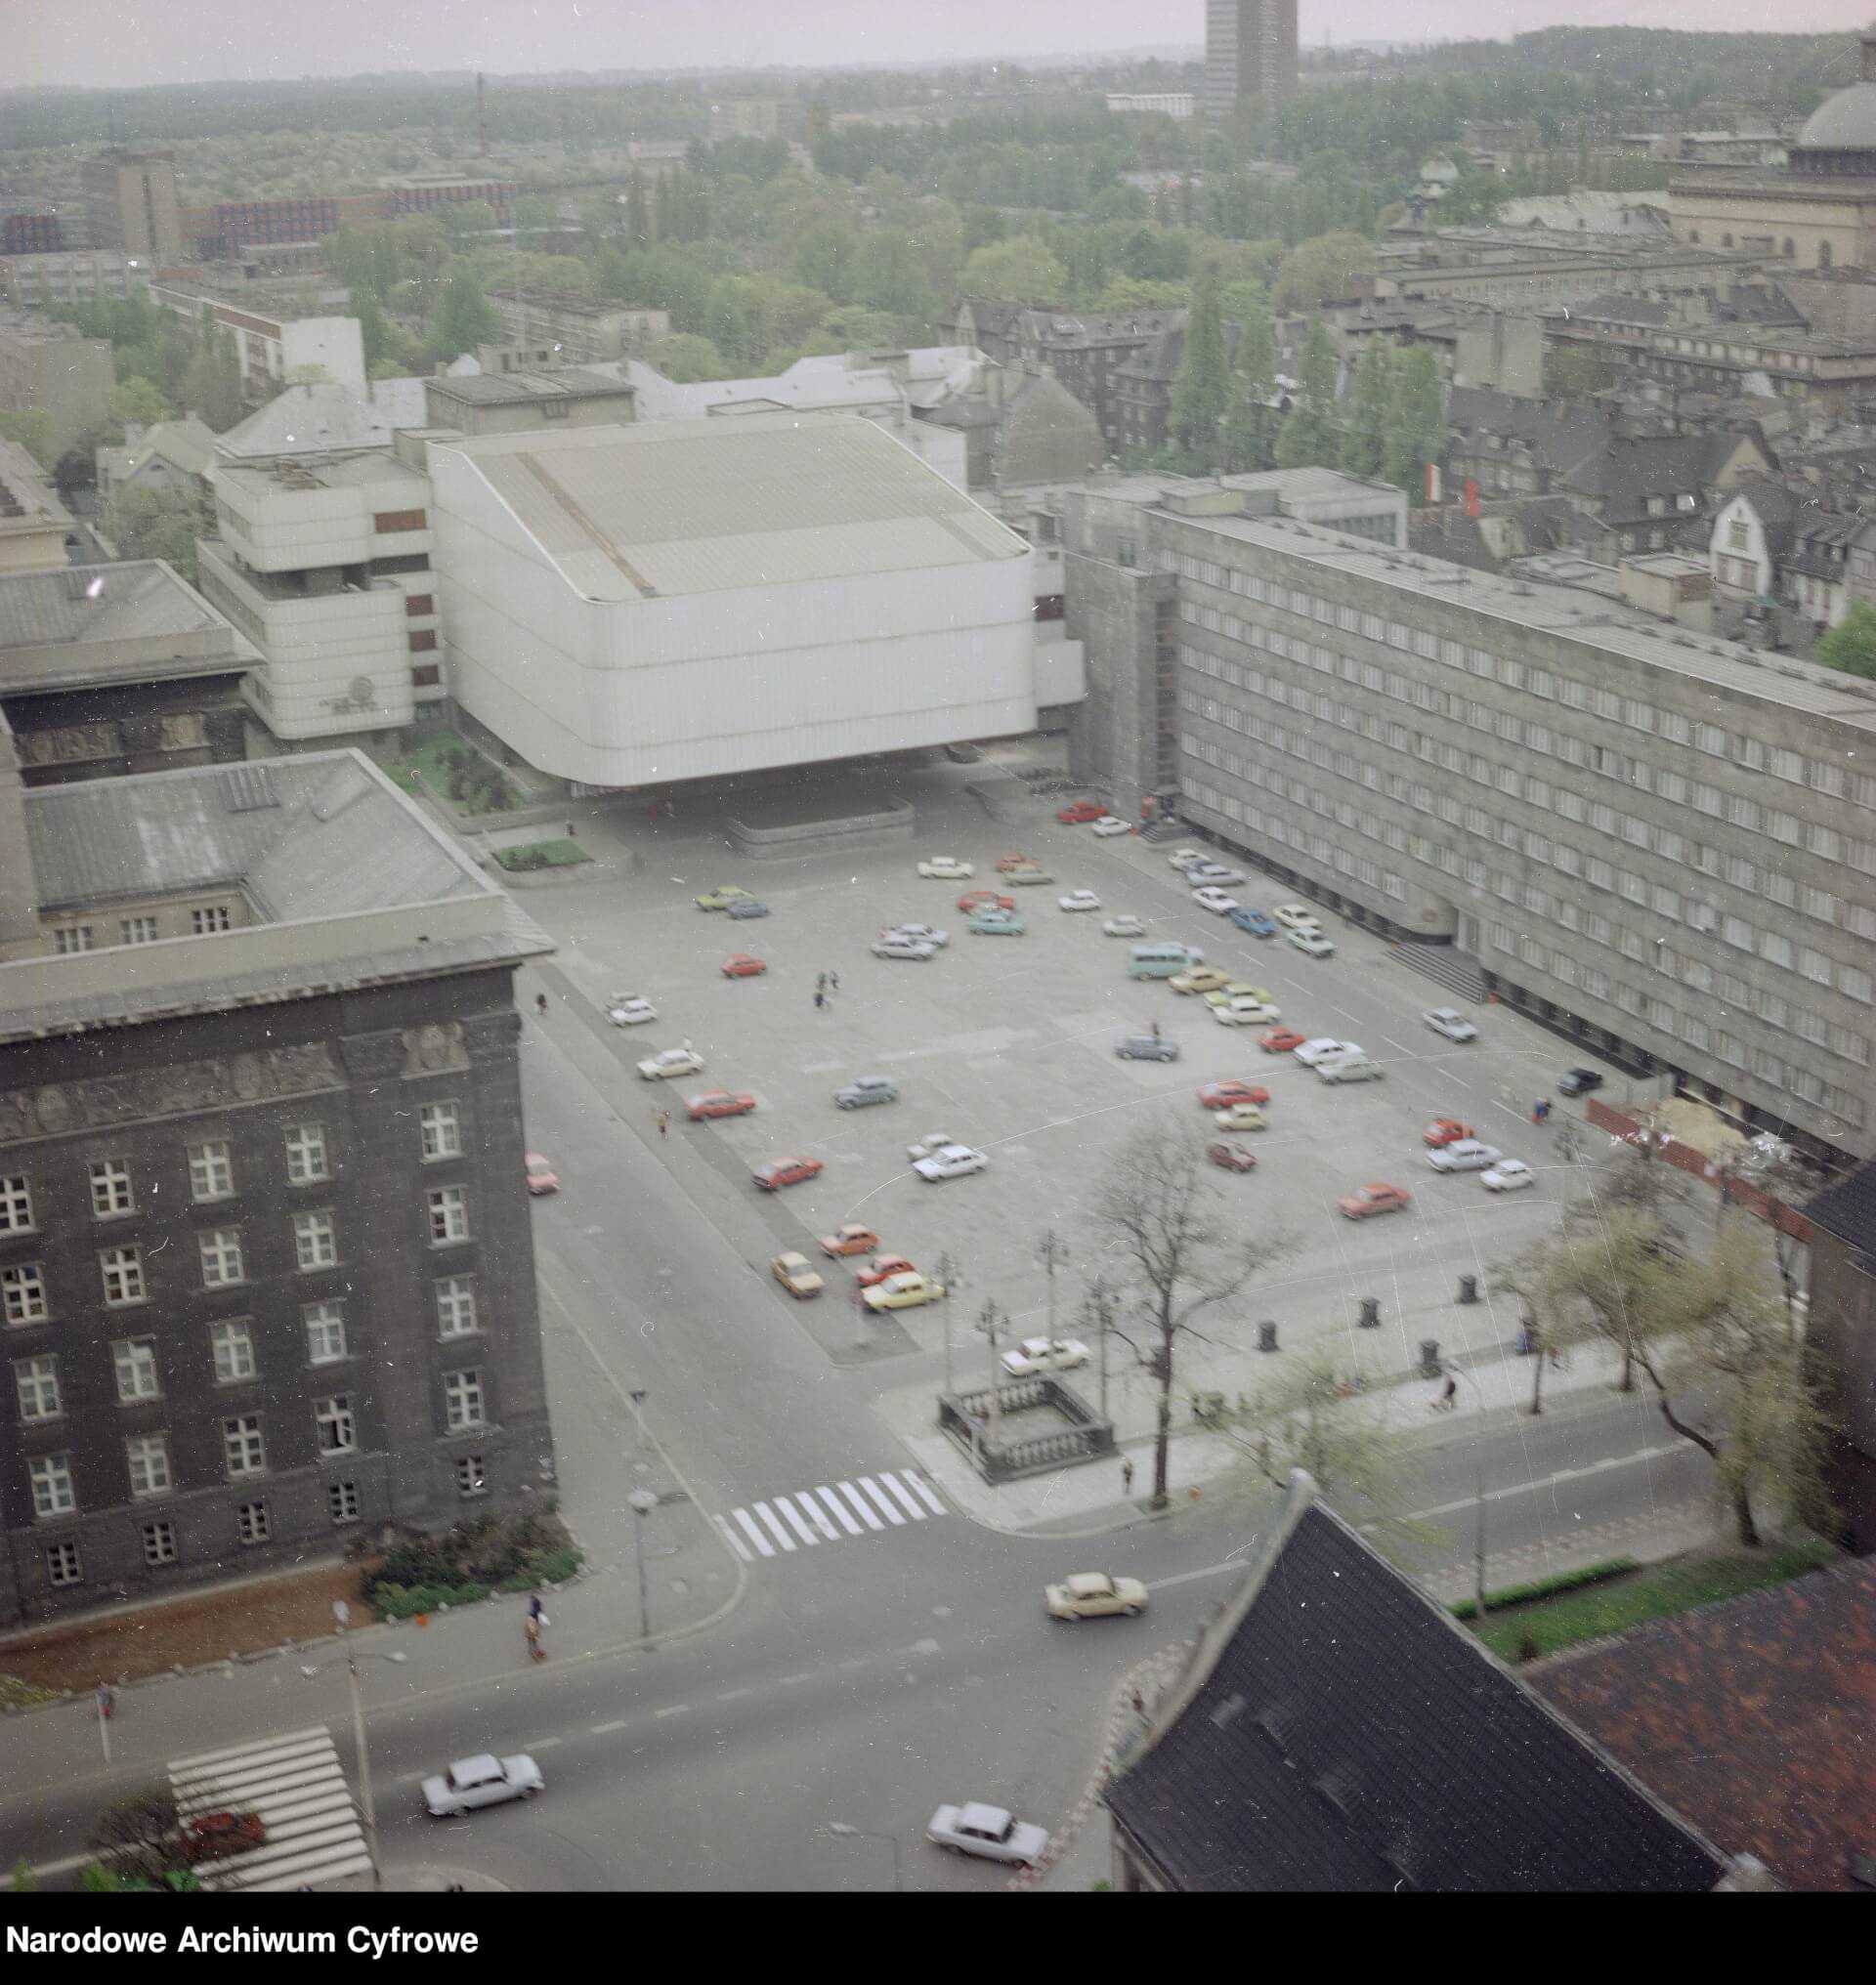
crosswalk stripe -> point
(858, 1503)
(781, 1536)
(918, 1480)
(873, 1489)
(757, 1538)
(892, 1482)
(839, 1510)
(793, 1516)
(818, 1516)
(734, 1541)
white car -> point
(484, 1781)
(919, 934)
(1507, 1175)
(1079, 899)
(1215, 871)
(893, 947)
(1183, 858)
(669, 1062)
(1322, 1049)
(946, 869)
(1246, 1013)
(1214, 899)
(1125, 927)
(1450, 1022)
(1310, 942)
(1465, 1154)
(1108, 824)
(950, 1160)
(988, 1832)
(627, 1009)
(1094, 1595)
(933, 1140)
(1041, 1353)
(1296, 917)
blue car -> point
(746, 907)
(1255, 921)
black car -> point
(1579, 1081)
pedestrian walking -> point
(107, 1702)
(1449, 1398)
(530, 1627)
(833, 982)
(540, 1005)
(1127, 1477)
(571, 835)
(537, 1612)
(1156, 1030)
(664, 1121)
(821, 984)
(819, 1000)
(670, 809)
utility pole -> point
(1478, 1500)
(1053, 1253)
(986, 1322)
(641, 1503)
(1097, 1309)
(947, 1275)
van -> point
(1354, 1068)
(1161, 961)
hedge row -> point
(1544, 1588)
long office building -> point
(1659, 844)
(1250, 57)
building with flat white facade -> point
(1153, 103)
(273, 351)
(692, 599)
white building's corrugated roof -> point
(699, 506)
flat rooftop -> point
(687, 507)
(361, 469)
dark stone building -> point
(1842, 1328)
(266, 1260)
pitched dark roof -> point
(1339, 1731)
(1847, 1208)
(1756, 1716)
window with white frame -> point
(35, 1384)
(462, 1400)
(472, 1478)
(63, 1565)
(122, 1269)
(211, 1171)
(449, 1211)
(233, 1344)
(53, 1494)
(71, 937)
(138, 930)
(306, 1153)
(243, 1452)
(335, 1424)
(324, 1333)
(147, 1457)
(133, 1360)
(16, 1203)
(209, 917)
(342, 1501)
(110, 1188)
(22, 1293)
(159, 1543)
(221, 1251)
(251, 1523)
(316, 1241)
(456, 1306)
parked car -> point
(995, 923)
(904, 948)
(1450, 1023)
(541, 1177)
(946, 869)
(747, 906)
(1322, 1048)
(1310, 942)
(1182, 859)
(1214, 899)
(1229, 1157)
(1350, 1068)
(1240, 1117)
(1253, 922)
(1221, 1095)
(1094, 1595)
(1445, 1130)
(1109, 825)
(905, 1291)
(962, 754)
(919, 934)
(852, 1238)
(1009, 863)
(627, 1009)
(866, 1090)
(669, 1062)
(1146, 1047)
(721, 898)
(1465, 1154)
(1296, 917)
(1215, 871)
(1083, 813)
(719, 1103)
(1079, 899)
(1244, 1012)
(988, 1831)
(1239, 993)
(953, 1160)
(473, 1782)
(933, 1140)
(1579, 1081)
(1198, 979)
(1124, 926)
(1507, 1175)
(1281, 1040)
(796, 1275)
(1027, 878)
(742, 965)
(778, 1172)
(880, 1267)
(1045, 1354)
(1367, 1200)
(974, 900)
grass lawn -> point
(1675, 1587)
(430, 763)
(542, 855)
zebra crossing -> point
(297, 1786)
(805, 1517)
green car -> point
(996, 923)
(721, 899)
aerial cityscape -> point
(540, 575)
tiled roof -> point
(1756, 1717)
(127, 602)
(1847, 1208)
(1339, 1731)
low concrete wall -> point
(1684, 1158)
(877, 824)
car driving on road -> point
(778, 1172)
(1367, 1200)
(988, 1831)
(904, 948)
(1045, 1354)
(1450, 1023)
(1322, 1047)
(474, 1782)
(1465, 1154)
(950, 1161)
(669, 1062)
(1095, 1595)
(866, 1090)
(946, 869)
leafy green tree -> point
(212, 380)
(888, 275)
(824, 258)
(1851, 646)
(160, 523)
(465, 318)
(1364, 441)
(638, 211)
(138, 401)
(31, 427)
(380, 341)
(726, 323)
(1415, 425)
(684, 357)
(982, 227)
(1323, 271)
(1023, 265)
(1202, 386)
(1311, 434)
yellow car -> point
(1200, 978)
(905, 1291)
(796, 1275)
(1240, 1117)
(1240, 989)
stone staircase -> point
(1458, 971)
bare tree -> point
(138, 1839)
(1771, 1165)
(1176, 1258)
(1641, 1183)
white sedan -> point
(1094, 1595)
(1079, 899)
(1183, 858)
(946, 869)
(1125, 927)
(669, 1062)
(933, 1140)
(484, 1781)
(1043, 1354)
(1108, 824)
(1310, 942)
(988, 1831)
(1507, 1175)
(1246, 1013)
(1465, 1154)
(1296, 917)
(1214, 899)
(626, 1009)
(895, 946)
(919, 934)
(1449, 1022)
(1215, 871)
(950, 1160)
(1322, 1049)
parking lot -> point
(1006, 1044)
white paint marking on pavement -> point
(1347, 1015)
(1395, 1045)
(1454, 1081)
(858, 1661)
(873, 1489)
(817, 1516)
(892, 1482)
(730, 1539)
(605, 1729)
(757, 1538)
(858, 1503)
(788, 1680)
(733, 1695)
(674, 1709)
(1544, 1482)
(781, 1536)
(918, 1480)
(834, 1503)
(793, 1516)
(545, 1743)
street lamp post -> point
(1053, 1253)
(946, 1272)
(641, 1503)
(1099, 1306)
(342, 1613)
(1478, 1498)
(847, 1833)
(986, 1322)
(638, 1413)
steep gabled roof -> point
(1847, 1208)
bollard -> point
(1266, 1336)
(1370, 1317)
(1430, 1357)
(1468, 1288)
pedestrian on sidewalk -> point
(571, 835)
(819, 1000)
(530, 1627)
(1156, 1030)
(821, 984)
(107, 1702)
(540, 1005)
(1448, 1399)
(1127, 1476)
(833, 982)
(664, 1121)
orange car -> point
(1007, 862)
(1081, 813)
(741, 965)
(881, 1266)
(719, 1103)
(1446, 1130)
(1281, 1039)
(1221, 1095)
(849, 1240)
(785, 1172)
(1366, 1200)
(974, 900)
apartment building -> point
(266, 1260)
(1661, 845)
(1179, 104)
(48, 364)
(1250, 57)
(576, 330)
(130, 204)
(272, 350)
(34, 282)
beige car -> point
(795, 1273)
(1094, 1595)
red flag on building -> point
(1471, 498)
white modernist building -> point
(682, 599)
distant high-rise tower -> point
(130, 201)
(1250, 57)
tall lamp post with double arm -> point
(350, 1655)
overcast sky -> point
(118, 43)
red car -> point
(881, 1266)
(1281, 1039)
(1005, 862)
(1221, 1095)
(1445, 1130)
(1366, 1200)
(1080, 813)
(740, 965)
(984, 898)
(849, 1240)
(720, 1103)
(785, 1172)
(1231, 1156)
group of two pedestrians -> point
(828, 983)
